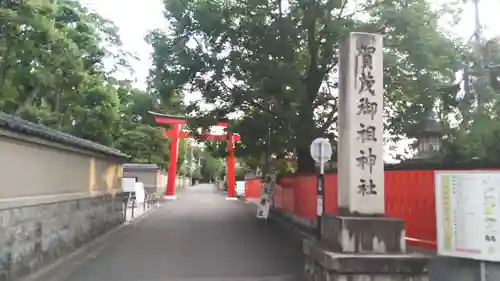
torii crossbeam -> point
(176, 133)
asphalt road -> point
(199, 237)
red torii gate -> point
(175, 133)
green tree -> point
(52, 68)
(276, 65)
(473, 132)
(212, 166)
(53, 57)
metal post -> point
(482, 271)
(477, 22)
(321, 152)
(320, 193)
(133, 207)
(125, 206)
(482, 64)
(191, 165)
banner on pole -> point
(265, 198)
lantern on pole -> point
(429, 138)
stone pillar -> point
(360, 243)
(361, 145)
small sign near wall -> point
(128, 184)
(140, 193)
(265, 198)
(240, 188)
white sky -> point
(134, 19)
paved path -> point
(199, 237)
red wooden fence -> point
(409, 195)
(253, 188)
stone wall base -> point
(34, 236)
(347, 234)
(368, 277)
(322, 264)
(325, 261)
(360, 267)
(303, 222)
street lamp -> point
(429, 138)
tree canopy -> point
(275, 63)
(270, 66)
(54, 70)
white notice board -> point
(265, 198)
(128, 184)
(140, 193)
(240, 188)
(468, 214)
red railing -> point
(409, 195)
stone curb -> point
(296, 232)
(65, 267)
(286, 224)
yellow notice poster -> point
(447, 219)
(468, 214)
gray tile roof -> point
(22, 126)
(134, 166)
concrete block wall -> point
(33, 236)
(57, 193)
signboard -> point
(265, 198)
(321, 150)
(140, 194)
(468, 214)
(240, 188)
(128, 184)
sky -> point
(134, 19)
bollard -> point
(133, 206)
(125, 206)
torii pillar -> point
(172, 163)
(231, 168)
(175, 133)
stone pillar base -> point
(358, 248)
(358, 234)
(324, 265)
